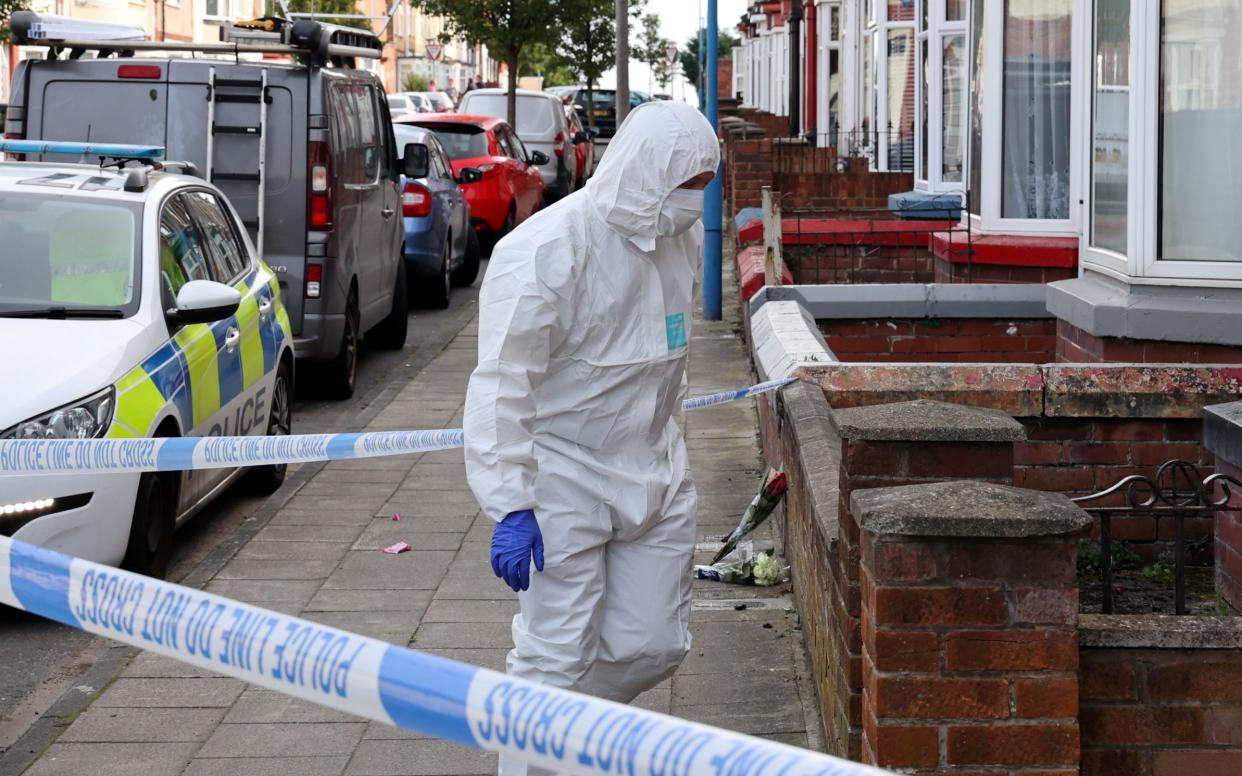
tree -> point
(589, 45)
(323, 9)
(689, 56)
(7, 7)
(650, 50)
(415, 83)
(542, 60)
(506, 27)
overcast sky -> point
(679, 19)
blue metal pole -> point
(712, 217)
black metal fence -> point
(1178, 491)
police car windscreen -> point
(461, 141)
(65, 253)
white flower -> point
(768, 570)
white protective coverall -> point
(574, 409)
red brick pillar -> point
(896, 444)
(970, 628)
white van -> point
(542, 126)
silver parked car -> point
(305, 153)
(542, 126)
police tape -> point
(476, 707)
(118, 456)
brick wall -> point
(1076, 346)
(858, 263)
(724, 78)
(1161, 712)
(942, 340)
(970, 640)
(946, 272)
(1228, 537)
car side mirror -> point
(204, 301)
(416, 160)
(539, 158)
(470, 175)
(581, 137)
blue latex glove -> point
(514, 540)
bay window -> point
(886, 126)
(829, 65)
(1165, 159)
(941, 104)
(1023, 115)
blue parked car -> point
(441, 249)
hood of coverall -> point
(660, 145)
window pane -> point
(953, 59)
(954, 10)
(976, 106)
(923, 4)
(923, 129)
(868, 85)
(1200, 113)
(1110, 125)
(901, 10)
(901, 99)
(1035, 144)
(224, 252)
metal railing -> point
(1178, 490)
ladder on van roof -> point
(245, 91)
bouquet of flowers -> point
(773, 490)
(744, 566)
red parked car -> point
(511, 187)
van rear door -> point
(102, 101)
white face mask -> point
(681, 209)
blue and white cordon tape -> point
(60, 456)
(476, 707)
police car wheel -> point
(342, 372)
(268, 479)
(151, 531)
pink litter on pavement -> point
(397, 549)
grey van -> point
(304, 151)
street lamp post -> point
(712, 217)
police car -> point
(132, 304)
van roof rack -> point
(313, 42)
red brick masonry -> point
(970, 340)
(1004, 258)
(1079, 347)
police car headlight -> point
(84, 419)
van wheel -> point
(440, 289)
(390, 333)
(266, 480)
(151, 531)
(342, 372)
(469, 269)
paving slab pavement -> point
(318, 557)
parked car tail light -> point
(319, 185)
(139, 71)
(559, 143)
(314, 276)
(415, 201)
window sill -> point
(1105, 307)
(1007, 250)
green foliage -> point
(542, 60)
(323, 10)
(1124, 557)
(415, 83)
(7, 7)
(1158, 572)
(689, 56)
(589, 46)
(650, 50)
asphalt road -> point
(43, 661)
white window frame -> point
(1142, 265)
(232, 7)
(875, 32)
(938, 29)
(826, 44)
(989, 198)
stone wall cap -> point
(967, 509)
(924, 420)
(1159, 631)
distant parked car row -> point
(401, 103)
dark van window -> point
(225, 254)
(461, 141)
(370, 147)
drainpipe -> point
(812, 69)
(794, 23)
